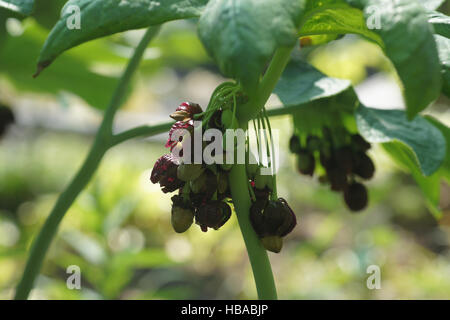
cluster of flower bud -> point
(345, 165)
(271, 218)
(204, 194)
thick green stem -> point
(103, 141)
(257, 254)
(262, 271)
(258, 99)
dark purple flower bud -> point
(356, 196)
(363, 166)
(186, 111)
(165, 172)
(213, 214)
(306, 162)
(337, 179)
(359, 143)
(272, 218)
(344, 159)
(294, 144)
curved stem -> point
(262, 271)
(103, 141)
(142, 131)
(268, 83)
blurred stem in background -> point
(103, 141)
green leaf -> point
(409, 44)
(445, 168)
(106, 17)
(71, 73)
(440, 22)
(301, 83)
(47, 12)
(241, 35)
(335, 17)
(427, 142)
(430, 186)
(443, 45)
(21, 7)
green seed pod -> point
(272, 243)
(181, 219)
(356, 196)
(182, 214)
(189, 172)
(199, 184)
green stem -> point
(142, 131)
(259, 98)
(50, 227)
(262, 271)
(103, 141)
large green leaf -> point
(301, 83)
(427, 142)
(71, 73)
(104, 17)
(409, 44)
(241, 35)
(21, 7)
(47, 12)
(443, 45)
(440, 22)
(333, 17)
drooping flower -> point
(165, 173)
(213, 214)
(272, 220)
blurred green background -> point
(118, 231)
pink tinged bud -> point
(186, 111)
